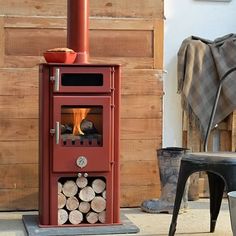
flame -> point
(79, 114)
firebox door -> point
(82, 133)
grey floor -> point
(194, 222)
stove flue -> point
(78, 29)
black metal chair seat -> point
(206, 158)
(219, 166)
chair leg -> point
(182, 179)
(216, 187)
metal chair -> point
(219, 166)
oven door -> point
(82, 133)
(82, 79)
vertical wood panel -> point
(158, 44)
(233, 142)
(2, 41)
(225, 140)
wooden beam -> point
(143, 82)
(19, 129)
(131, 8)
(18, 152)
(102, 8)
(24, 81)
(141, 128)
(140, 106)
(132, 196)
(15, 176)
(139, 170)
(10, 108)
(121, 24)
(107, 23)
(18, 82)
(126, 62)
(139, 150)
(119, 43)
(19, 199)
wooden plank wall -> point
(133, 35)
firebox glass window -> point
(82, 79)
(82, 126)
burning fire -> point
(79, 114)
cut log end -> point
(104, 194)
(84, 207)
(87, 194)
(70, 188)
(75, 217)
(82, 182)
(98, 204)
(92, 217)
(98, 186)
(102, 217)
(62, 216)
(61, 200)
(59, 187)
(72, 203)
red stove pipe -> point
(78, 29)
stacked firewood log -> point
(81, 200)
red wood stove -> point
(79, 125)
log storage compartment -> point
(81, 200)
(79, 144)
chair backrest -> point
(213, 112)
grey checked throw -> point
(201, 64)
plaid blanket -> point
(201, 64)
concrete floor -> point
(194, 222)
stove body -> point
(79, 137)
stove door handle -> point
(57, 132)
(57, 80)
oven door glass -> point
(82, 139)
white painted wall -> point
(184, 18)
